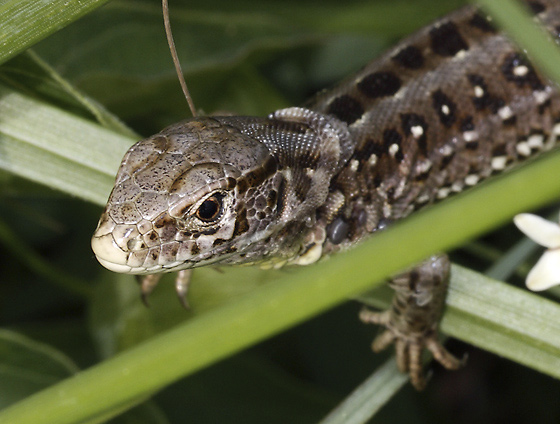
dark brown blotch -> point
(423, 176)
(413, 280)
(281, 197)
(184, 209)
(536, 7)
(499, 150)
(231, 183)
(474, 169)
(486, 100)
(368, 148)
(392, 136)
(218, 242)
(482, 23)
(409, 57)
(241, 224)
(242, 186)
(511, 121)
(496, 104)
(410, 120)
(543, 107)
(271, 198)
(209, 231)
(346, 109)
(467, 124)
(446, 40)
(446, 160)
(195, 250)
(162, 221)
(472, 145)
(445, 108)
(517, 69)
(270, 167)
(379, 84)
(258, 176)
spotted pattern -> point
(346, 108)
(379, 84)
(446, 40)
(481, 96)
(445, 108)
(518, 70)
(409, 57)
(392, 142)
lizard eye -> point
(210, 209)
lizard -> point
(444, 109)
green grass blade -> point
(369, 397)
(52, 147)
(508, 321)
(25, 22)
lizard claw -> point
(147, 285)
(150, 281)
(409, 347)
(182, 286)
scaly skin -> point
(443, 110)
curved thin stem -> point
(176, 62)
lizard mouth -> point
(116, 259)
(109, 254)
(130, 255)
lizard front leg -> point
(413, 319)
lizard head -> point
(195, 192)
(213, 190)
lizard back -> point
(443, 110)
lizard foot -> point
(150, 281)
(409, 347)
